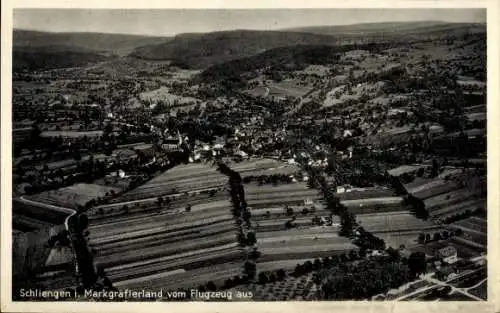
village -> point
(374, 165)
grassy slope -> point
(202, 50)
(98, 42)
(43, 50)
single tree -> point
(417, 263)
(317, 264)
(421, 238)
(251, 238)
(262, 278)
(249, 269)
(427, 237)
(281, 274)
(211, 286)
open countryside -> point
(318, 163)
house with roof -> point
(448, 254)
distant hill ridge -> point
(367, 27)
(202, 50)
(119, 44)
(388, 28)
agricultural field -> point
(458, 208)
(192, 278)
(171, 248)
(287, 265)
(391, 134)
(423, 188)
(474, 231)
(29, 222)
(365, 193)
(180, 179)
(164, 94)
(72, 134)
(282, 218)
(314, 70)
(58, 164)
(282, 89)
(78, 194)
(61, 126)
(29, 250)
(266, 197)
(71, 163)
(340, 94)
(453, 197)
(395, 228)
(316, 242)
(182, 74)
(264, 166)
(32, 254)
(475, 109)
(30, 215)
(371, 200)
(288, 88)
(152, 206)
(452, 192)
(480, 116)
(374, 205)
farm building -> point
(378, 204)
(342, 189)
(171, 144)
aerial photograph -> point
(249, 155)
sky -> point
(169, 22)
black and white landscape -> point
(343, 161)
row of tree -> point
(460, 215)
(269, 179)
(426, 238)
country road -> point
(70, 212)
(48, 206)
(84, 264)
(437, 283)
